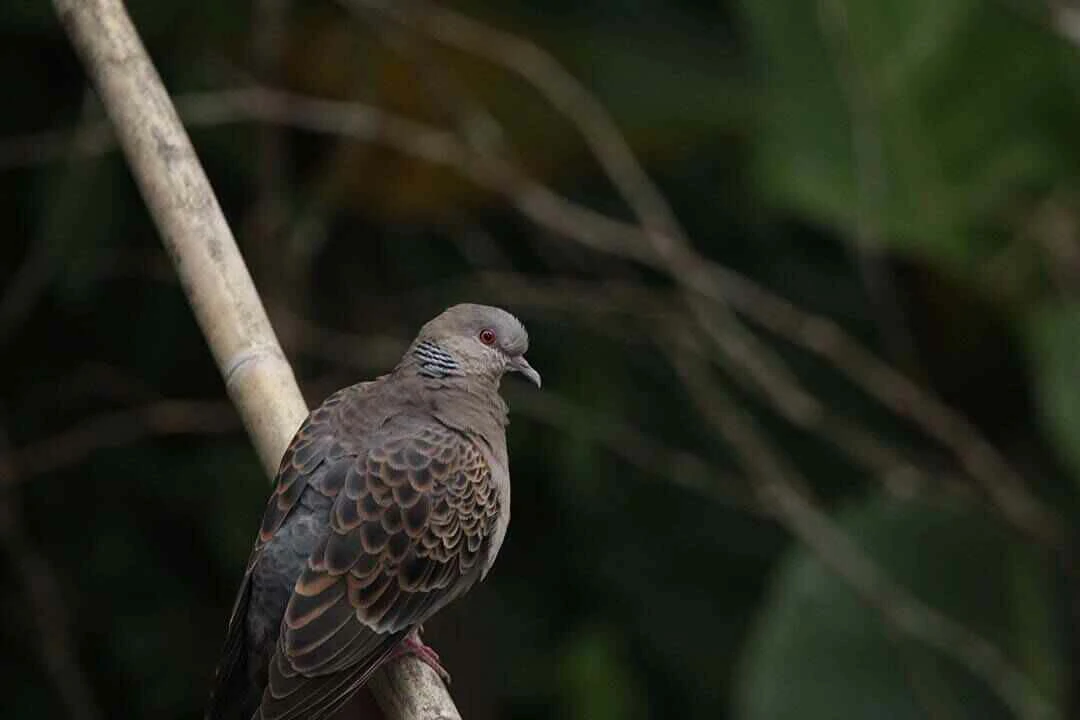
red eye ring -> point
(487, 336)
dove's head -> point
(473, 340)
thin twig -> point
(562, 90)
(31, 280)
(777, 481)
(118, 428)
(474, 124)
(871, 176)
(679, 467)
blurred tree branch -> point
(43, 593)
(693, 273)
(125, 427)
(32, 278)
(871, 187)
(779, 484)
(38, 579)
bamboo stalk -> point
(213, 274)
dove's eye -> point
(487, 336)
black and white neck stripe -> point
(434, 361)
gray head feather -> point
(473, 340)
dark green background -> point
(908, 169)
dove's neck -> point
(432, 361)
(463, 396)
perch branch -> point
(211, 270)
(191, 223)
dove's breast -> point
(500, 478)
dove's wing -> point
(412, 521)
(304, 460)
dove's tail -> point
(235, 695)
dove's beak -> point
(519, 364)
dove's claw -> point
(413, 645)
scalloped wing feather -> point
(409, 529)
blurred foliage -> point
(1054, 336)
(910, 78)
(818, 648)
(908, 169)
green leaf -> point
(955, 106)
(596, 679)
(1055, 349)
(819, 652)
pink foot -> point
(413, 645)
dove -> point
(391, 501)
